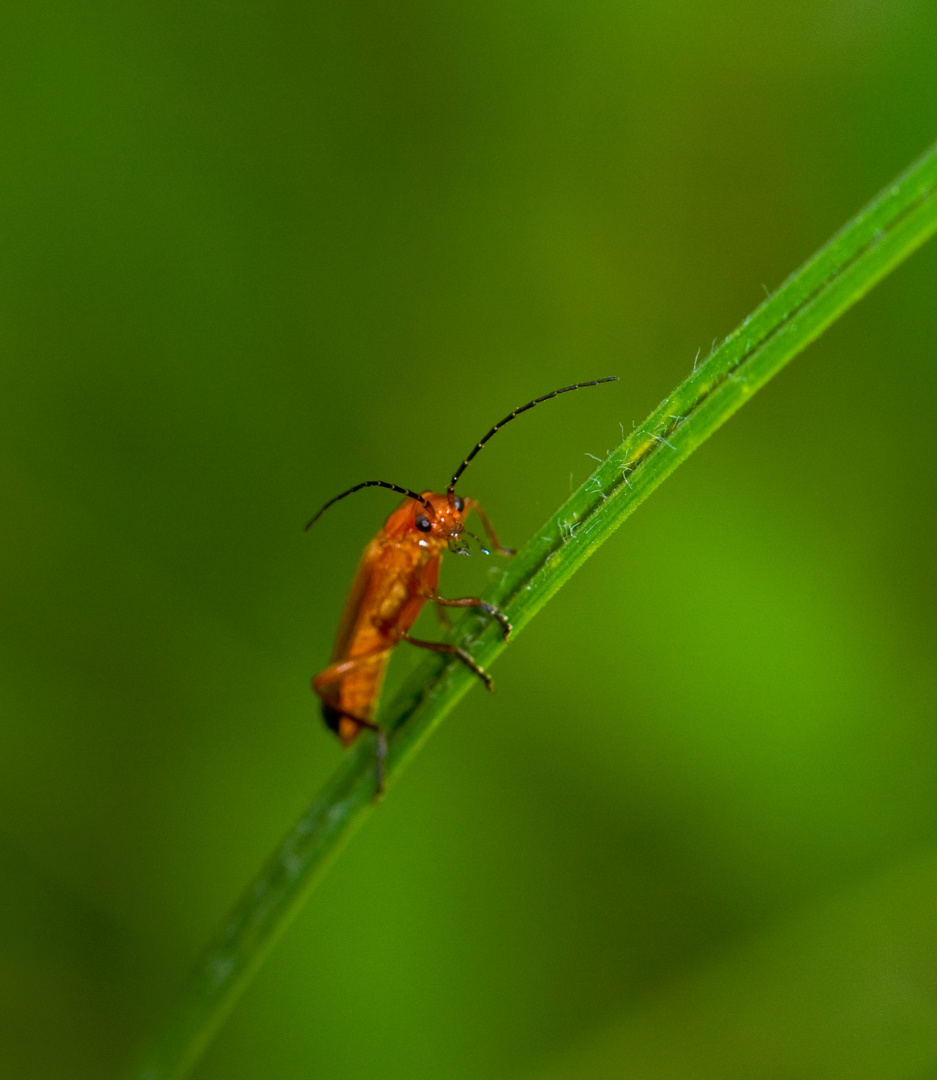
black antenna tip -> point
(520, 409)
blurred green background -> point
(252, 254)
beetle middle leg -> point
(333, 717)
(444, 621)
(452, 650)
(473, 601)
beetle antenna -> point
(369, 483)
(510, 416)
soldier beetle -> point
(398, 573)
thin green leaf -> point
(886, 232)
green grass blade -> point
(869, 246)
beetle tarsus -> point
(497, 613)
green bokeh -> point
(251, 255)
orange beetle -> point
(398, 573)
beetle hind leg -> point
(347, 727)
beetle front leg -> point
(471, 504)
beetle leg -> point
(453, 650)
(444, 621)
(492, 535)
(333, 715)
(482, 605)
(336, 672)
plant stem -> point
(867, 248)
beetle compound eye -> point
(459, 503)
(423, 523)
